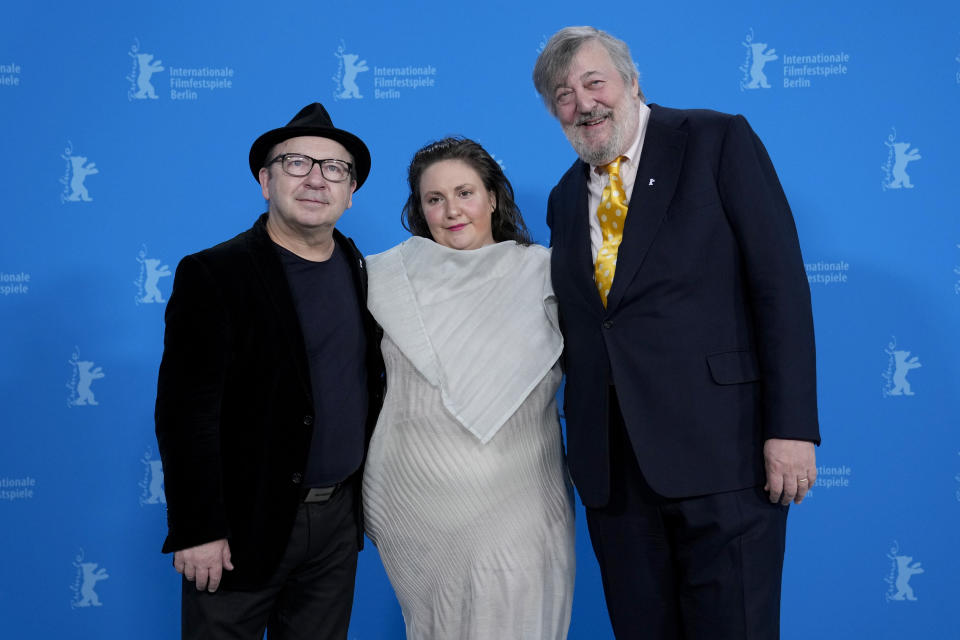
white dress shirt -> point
(598, 179)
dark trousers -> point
(705, 568)
(309, 596)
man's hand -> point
(791, 469)
(204, 563)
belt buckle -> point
(320, 494)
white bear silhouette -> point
(90, 579)
(350, 70)
(156, 484)
(905, 571)
(87, 376)
(901, 159)
(903, 366)
(146, 69)
(760, 57)
(79, 172)
(153, 274)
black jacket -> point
(234, 408)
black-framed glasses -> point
(299, 165)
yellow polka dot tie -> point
(612, 214)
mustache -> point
(593, 115)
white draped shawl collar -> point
(480, 325)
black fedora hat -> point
(312, 120)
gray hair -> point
(554, 60)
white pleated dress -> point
(465, 490)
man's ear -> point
(264, 178)
(353, 187)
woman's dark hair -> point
(506, 223)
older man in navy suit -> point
(691, 388)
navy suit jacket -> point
(234, 408)
(708, 332)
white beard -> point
(624, 120)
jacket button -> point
(607, 324)
(308, 420)
(296, 478)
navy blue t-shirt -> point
(332, 326)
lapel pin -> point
(650, 184)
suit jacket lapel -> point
(575, 200)
(661, 160)
(270, 269)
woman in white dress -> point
(465, 490)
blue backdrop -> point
(125, 130)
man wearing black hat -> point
(268, 389)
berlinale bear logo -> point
(899, 156)
(902, 568)
(899, 364)
(84, 373)
(142, 70)
(88, 575)
(147, 282)
(346, 77)
(758, 55)
(77, 170)
(151, 487)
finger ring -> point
(802, 480)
